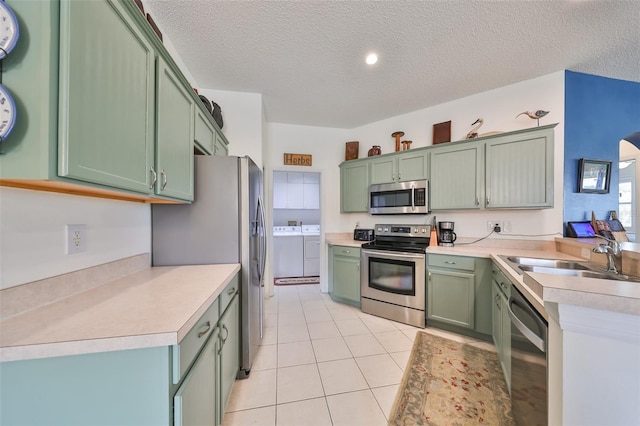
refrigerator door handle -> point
(263, 240)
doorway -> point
(296, 227)
(628, 189)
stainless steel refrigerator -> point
(224, 224)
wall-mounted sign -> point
(297, 159)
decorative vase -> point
(375, 150)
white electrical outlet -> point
(76, 238)
(506, 227)
(492, 225)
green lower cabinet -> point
(109, 388)
(451, 298)
(228, 353)
(459, 294)
(194, 402)
(344, 273)
(186, 384)
(501, 332)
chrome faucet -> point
(614, 254)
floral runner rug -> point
(448, 383)
(296, 280)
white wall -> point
(242, 121)
(32, 227)
(497, 107)
(326, 147)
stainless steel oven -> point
(392, 273)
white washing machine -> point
(311, 234)
(288, 251)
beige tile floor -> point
(323, 363)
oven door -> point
(393, 277)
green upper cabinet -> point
(413, 165)
(354, 186)
(222, 145)
(519, 170)
(175, 135)
(509, 170)
(205, 134)
(409, 165)
(106, 97)
(383, 169)
(456, 177)
(103, 109)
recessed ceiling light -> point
(372, 58)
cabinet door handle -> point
(226, 334)
(155, 178)
(358, 266)
(207, 327)
(231, 291)
(477, 201)
(164, 179)
(347, 251)
(449, 262)
(487, 200)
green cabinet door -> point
(106, 104)
(501, 330)
(354, 187)
(383, 169)
(205, 135)
(413, 165)
(194, 404)
(229, 353)
(345, 275)
(519, 170)
(451, 297)
(505, 348)
(496, 318)
(483, 299)
(222, 146)
(399, 167)
(175, 134)
(456, 177)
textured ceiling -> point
(307, 57)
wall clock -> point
(9, 30)
(7, 113)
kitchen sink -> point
(547, 263)
(563, 267)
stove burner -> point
(400, 238)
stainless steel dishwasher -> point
(529, 332)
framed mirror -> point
(594, 176)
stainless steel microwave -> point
(411, 197)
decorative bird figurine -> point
(534, 115)
(473, 133)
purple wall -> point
(599, 112)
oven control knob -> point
(424, 231)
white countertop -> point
(610, 295)
(154, 307)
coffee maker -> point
(446, 236)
